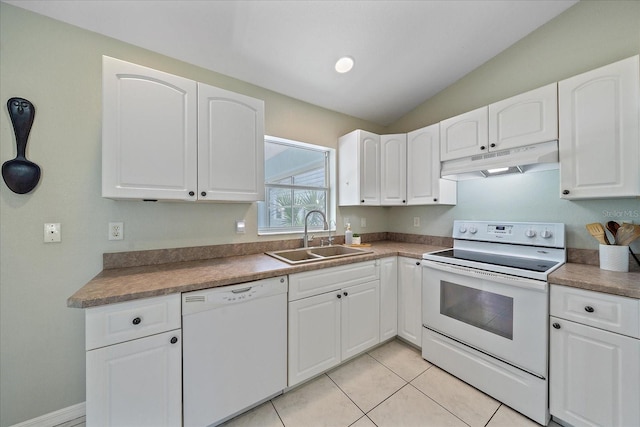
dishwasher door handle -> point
(240, 291)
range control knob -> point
(546, 234)
(462, 229)
(473, 230)
(530, 233)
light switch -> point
(240, 226)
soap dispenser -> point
(348, 235)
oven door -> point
(501, 315)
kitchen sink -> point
(320, 253)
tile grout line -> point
(438, 403)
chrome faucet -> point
(305, 239)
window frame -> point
(330, 170)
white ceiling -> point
(404, 51)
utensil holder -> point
(614, 258)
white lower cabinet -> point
(328, 328)
(410, 300)
(136, 380)
(388, 298)
(594, 374)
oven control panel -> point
(521, 233)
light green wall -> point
(58, 68)
(586, 36)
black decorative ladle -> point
(21, 175)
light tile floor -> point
(390, 386)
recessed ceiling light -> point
(344, 64)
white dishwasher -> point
(234, 349)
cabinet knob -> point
(556, 325)
(404, 201)
(339, 296)
(482, 147)
(204, 193)
(137, 321)
(435, 199)
(492, 145)
(174, 340)
(565, 192)
(589, 309)
(282, 280)
(345, 293)
(417, 262)
(362, 201)
(191, 193)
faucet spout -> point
(305, 239)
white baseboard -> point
(57, 417)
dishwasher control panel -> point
(206, 299)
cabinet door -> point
(393, 169)
(230, 146)
(360, 318)
(136, 383)
(424, 184)
(410, 300)
(464, 135)
(599, 143)
(314, 335)
(524, 119)
(388, 298)
(369, 169)
(149, 141)
(594, 377)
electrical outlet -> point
(116, 231)
(416, 221)
(363, 222)
(52, 232)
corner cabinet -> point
(134, 363)
(165, 137)
(359, 169)
(599, 135)
(594, 362)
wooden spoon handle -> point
(22, 113)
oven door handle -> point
(506, 279)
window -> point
(298, 179)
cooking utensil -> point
(21, 175)
(613, 226)
(627, 233)
(597, 230)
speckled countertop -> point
(159, 277)
(130, 283)
(591, 277)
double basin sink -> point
(314, 254)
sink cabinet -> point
(338, 317)
(134, 363)
(165, 137)
(594, 377)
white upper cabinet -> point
(230, 145)
(524, 119)
(393, 169)
(424, 185)
(149, 138)
(599, 141)
(359, 169)
(464, 135)
(165, 137)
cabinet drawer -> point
(115, 323)
(609, 312)
(302, 285)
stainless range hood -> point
(535, 157)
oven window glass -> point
(482, 309)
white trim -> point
(56, 417)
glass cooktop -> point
(530, 264)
